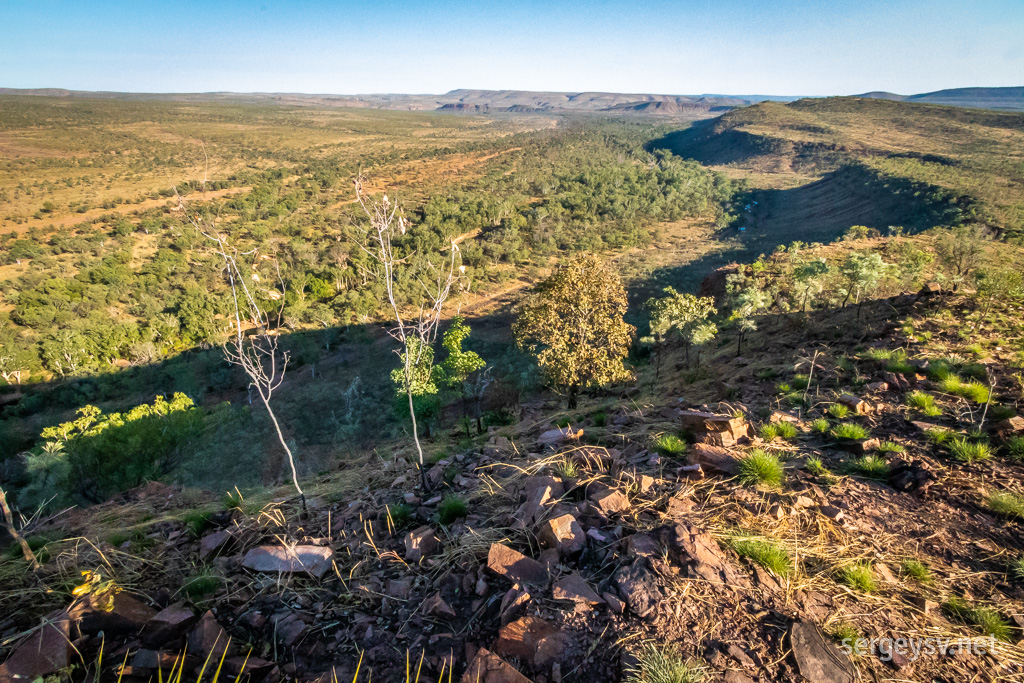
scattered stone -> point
(777, 512)
(435, 606)
(931, 289)
(734, 676)
(551, 650)
(638, 586)
(714, 459)
(859, 446)
(856, 404)
(289, 629)
(741, 656)
(614, 604)
(512, 604)
(833, 513)
(487, 667)
(169, 624)
(883, 570)
(696, 548)
(912, 477)
(209, 639)
(646, 483)
(779, 416)
(211, 543)
(927, 607)
(1010, 427)
(515, 566)
(817, 657)
(520, 638)
(679, 506)
(575, 589)
(564, 534)
(534, 507)
(167, 661)
(554, 438)
(314, 560)
(610, 502)
(44, 652)
(400, 588)
(641, 545)
(892, 656)
(878, 387)
(802, 502)
(420, 543)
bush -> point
(768, 555)
(857, 576)
(758, 467)
(850, 430)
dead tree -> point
(26, 550)
(415, 330)
(254, 344)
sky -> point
(743, 47)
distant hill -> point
(461, 100)
(834, 162)
(1011, 99)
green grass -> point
(452, 508)
(845, 632)
(784, 430)
(871, 466)
(820, 426)
(1017, 568)
(784, 388)
(758, 467)
(938, 435)
(839, 411)
(858, 577)
(401, 514)
(801, 381)
(970, 451)
(663, 664)
(917, 570)
(669, 445)
(998, 413)
(567, 469)
(850, 430)
(986, 619)
(891, 447)
(196, 522)
(814, 465)
(923, 402)
(202, 585)
(600, 419)
(768, 555)
(972, 391)
(1006, 503)
(1015, 448)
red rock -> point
(714, 459)
(614, 604)
(646, 483)
(209, 640)
(515, 566)
(638, 586)
(642, 545)
(556, 437)
(169, 624)
(44, 652)
(512, 605)
(534, 507)
(487, 667)
(610, 502)
(314, 560)
(420, 543)
(562, 533)
(695, 420)
(551, 650)
(520, 638)
(779, 416)
(435, 606)
(156, 659)
(575, 589)
(1012, 426)
(212, 542)
(127, 615)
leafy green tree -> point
(960, 251)
(745, 301)
(459, 364)
(809, 279)
(862, 273)
(681, 315)
(573, 322)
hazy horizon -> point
(784, 48)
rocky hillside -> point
(855, 475)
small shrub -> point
(758, 467)
(452, 508)
(998, 412)
(663, 665)
(768, 431)
(969, 452)
(871, 466)
(814, 465)
(195, 522)
(838, 411)
(891, 447)
(783, 388)
(857, 576)
(1015, 448)
(924, 402)
(850, 430)
(669, 444)
(1006, 503)
(801, 381)
(768, 555)
(917, 570)
(820, 426)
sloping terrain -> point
(1010, 99)
(954, 159)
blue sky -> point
(786, 47)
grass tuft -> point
(986, 619)
(663, 665)
(768, 555)
(839, 411)
(850, 430)
(858, 577)
(820, 426)
(1015, 448)
(1006, 503)
(891, 447)
(871, 466)
(201, 586)
(938, 435)
(452, 508)
(917, 570)
(758, 467)
(969, 451)
(784, 430)
(669, 444)
(401, 515)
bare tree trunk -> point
(30, 556)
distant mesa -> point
(1008, 99)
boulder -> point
(638, 586)
(209, 640)
(168, 624)
(610, 502)
(45, 651)
(521, 638)
(714, 459)
(420, 543)
(562, 533)
(515, 566)
(487, 667)
(817, 657)
(554, 438)
(119, 615)
(314, 560)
